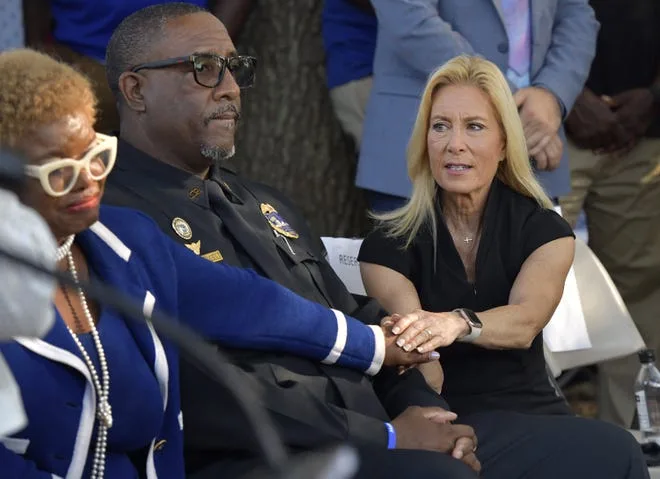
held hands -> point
(397, 356)
(429, 428)
(541, 117)
(432, 371)
(423, 331)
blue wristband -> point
(391, 436)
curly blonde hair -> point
(36, 89)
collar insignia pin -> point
(213, 256)
(195, 247)
(182, 228)
(194, 193)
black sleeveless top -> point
(478, 379)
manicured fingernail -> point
(396, 330)
(420, 349)
(400, 342)
(435, 355)
(407, 347)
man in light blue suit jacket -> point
(417, 36)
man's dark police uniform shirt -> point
(476, 378)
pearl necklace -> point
(64, 249)
(104, 411)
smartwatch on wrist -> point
(473, 322)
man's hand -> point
(550, 156)
(634, 110)
(465, 451)
(429, 429)
(592, 125)
(540, 115)
(397, 356)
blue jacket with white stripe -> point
(232, 306)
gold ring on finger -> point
(428, 332)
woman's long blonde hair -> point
(515, 171)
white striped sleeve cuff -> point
(340, 340)
(379, 351)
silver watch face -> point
(471, 317)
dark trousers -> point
(514, 445)
(511, 446)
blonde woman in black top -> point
(477, 252)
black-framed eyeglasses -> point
(209, 69)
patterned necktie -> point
(518, 30)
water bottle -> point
(647, 397)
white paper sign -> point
(342, 256)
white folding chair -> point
(612, 332)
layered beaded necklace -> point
(102, 384)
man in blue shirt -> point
(349, 39)
(78, 31)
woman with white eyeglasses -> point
(59, 176)
(101, 392)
